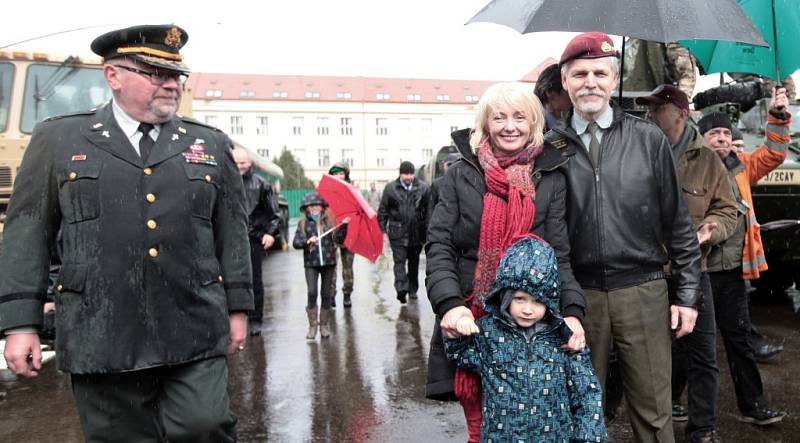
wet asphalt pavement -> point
(366, 383)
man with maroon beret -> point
(626, 221)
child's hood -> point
(529, 265)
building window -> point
(263, 125)
(380, 126)
(346, 123)
(413, 97)
(264, 152)
(297, 125)
(322, 125)
(427, 153)
(380, 156)
(211, 120)
(237, 128)
(323, 157)
(214, 93)
(404, 127)
(382, 96)
(472, 98)
(343, 96)
(347, 156)
(427, 124)
(280, 94)
(246, 93)
(443, 98)
(312, 95)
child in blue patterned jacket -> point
(533, 391)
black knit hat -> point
(407, 167)
(714, 120)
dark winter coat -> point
(261, 205)
(403, 215)
(324, 253)
(452, 249)
(627, 218)
(532, 390)
(154, 251)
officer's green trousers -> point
(181, 403)
(636, 319)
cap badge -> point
(173, 38)
(606, 47)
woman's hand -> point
(467, 326)
(449, 323)
(577, 342)
(313, 241)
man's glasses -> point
(157, 78)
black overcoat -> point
(454, 232)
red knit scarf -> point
(508, 212)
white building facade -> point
(371, 123)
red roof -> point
(361, 89)
(533, 75)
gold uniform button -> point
(151, 198)
(151, 224)
(61, 287)
(153, 252)
(208, 178)
(73, 175)
(220, 279)
(148, 171)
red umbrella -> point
(364, 235)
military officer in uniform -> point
(156, 279)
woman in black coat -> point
(455, 226)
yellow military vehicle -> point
(35, 86)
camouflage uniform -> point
(681, 67)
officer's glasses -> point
(158, 78)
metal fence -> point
(295, 196)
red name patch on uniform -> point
(78, 158)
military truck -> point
(776, 199)
(35, 86)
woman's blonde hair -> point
(518, 96)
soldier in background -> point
(681, 66)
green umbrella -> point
(779, 23)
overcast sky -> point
(403, 38)
(383, 38)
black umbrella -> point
(655, 20)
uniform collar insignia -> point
(181, 130)
(106, 134)
(175, 137)
(97, 125)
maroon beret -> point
(665, 94)
(589, 45)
